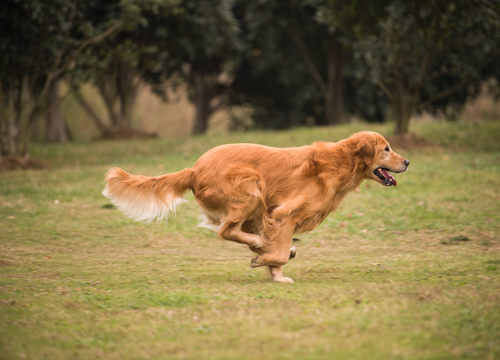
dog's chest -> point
(316, 209)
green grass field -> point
(410, 272)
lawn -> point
(410, 272)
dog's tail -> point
(147, 198)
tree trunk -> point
(17, 115)
(118, 88)
(108, 95)
(204, 92)
(4, 138)
(126, 106)
(202, 115)
(127, 85)
(402, 124)
(118, 91)
(10, 134)
(9, 127)
(56, 129)
(334, 91)
(403, 107)
(90, 111)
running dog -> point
(260, 196)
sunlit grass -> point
(410, 272)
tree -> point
(269, 76)
(289, 53)
(114, 65)
(56, 128)
(426, 51)
(326, 65)
(113, 71)
(298, 60)
(194, 43)
(346, 24)
(44, 40)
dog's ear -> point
(363, 147)
(367, 151)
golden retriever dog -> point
(260, 196)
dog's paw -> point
(284, 279)
(293, 252)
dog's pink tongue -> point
(393, 180)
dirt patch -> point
(6, 262)
(20, 162)
(455, 240)
(409, 141)
(124, 133)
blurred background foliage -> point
(135, 68)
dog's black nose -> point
(407, 163)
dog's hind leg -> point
(239, 198)
(232, 231)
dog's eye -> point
(386, 148)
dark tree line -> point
(292, 62)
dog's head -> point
(377, 158)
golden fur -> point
(258, 195)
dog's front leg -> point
(277, 250)
(277, 275)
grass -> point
(402, 273)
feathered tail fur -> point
(147, 198)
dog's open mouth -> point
(387, 179)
